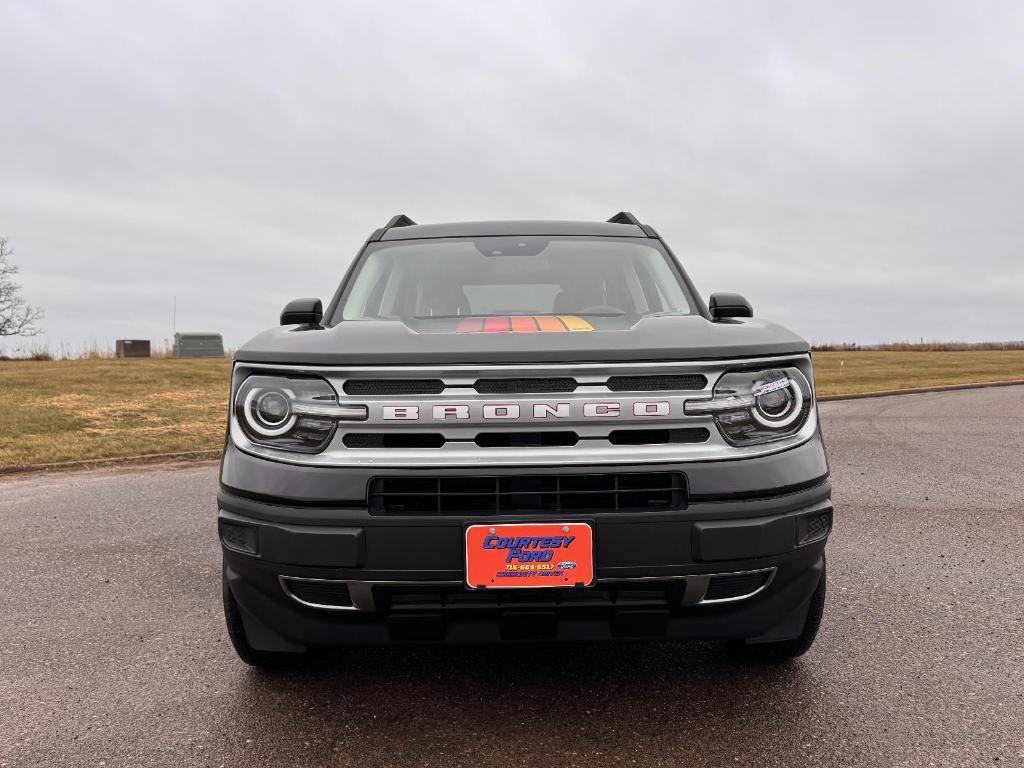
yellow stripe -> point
(574, 323)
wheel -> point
(784, 650)
(236, 633)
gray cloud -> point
(856, 171)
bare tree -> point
(16, 317)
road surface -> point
(114, 652)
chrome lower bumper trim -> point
(361, 592)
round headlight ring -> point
(795, 407)
(251, 411)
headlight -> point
(291, 413)
(752, 407)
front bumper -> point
(403, 575)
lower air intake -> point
(527, 494)
(327, 594)
(240, 538)
(813, 527)
(733, 586)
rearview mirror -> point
(723, 305)
(303, 312)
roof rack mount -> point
(624, 217)
(399, 220)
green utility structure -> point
(198, 345)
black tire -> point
(785, 650)
(252, 656)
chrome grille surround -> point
(460, 448)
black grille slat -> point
(658, 436)
(393, 440)
(526, 439)
(525, 385)
(525, 494)
(370, 387)
(445, 599)
(658, 383)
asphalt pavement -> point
(113, 650)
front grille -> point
(735, 585)
(451, 599)
(526, 494)
(525, 386)
(586, 416)
(522, 439)
(371, 387)
(658, 383)
(330, 593)
(241, 538)
(657, 436)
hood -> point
(514, 340)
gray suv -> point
(522, 431)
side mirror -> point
(303, 312)
(723, 305)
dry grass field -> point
(70, 410)
(838, 373)
(67, 410)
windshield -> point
(513, 276)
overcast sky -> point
(855, 169)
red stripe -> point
(523, 325)
(496, 325)
(470, 325)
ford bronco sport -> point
(522, 431)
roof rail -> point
(624, 217)
(401, 220)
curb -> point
(920, 390)
(124, 461)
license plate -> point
(521, 555)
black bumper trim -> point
(768, 613)
(293, 484)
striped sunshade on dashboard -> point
(524, 324)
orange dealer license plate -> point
(521, 555)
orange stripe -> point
(549, 324)
(574, 323)
(523, 324)
(470, 325)
(496, 325)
